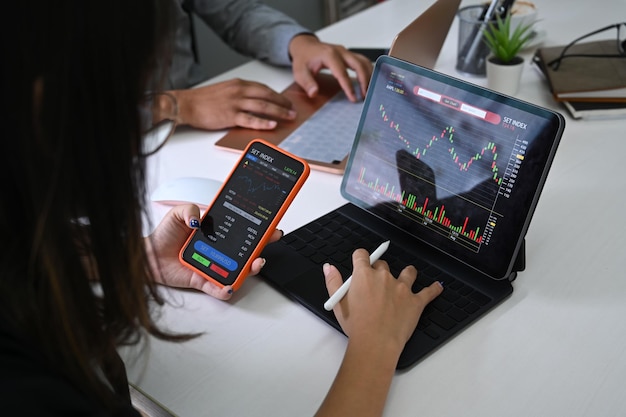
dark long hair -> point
(73, 77)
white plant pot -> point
(504, 78)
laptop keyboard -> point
(333, 237)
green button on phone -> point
(196, 256)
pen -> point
(341, 292)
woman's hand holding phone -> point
(244, 214)
(164, 244)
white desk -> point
(557, 347)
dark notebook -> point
(581, 77)
(450, 173)
(596, 109)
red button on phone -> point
(219, 270)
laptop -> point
(325, 126)
(450, 173)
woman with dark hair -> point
(75, 75)
(77, 277)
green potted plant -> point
(504, 65)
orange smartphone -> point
(237, 225)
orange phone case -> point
(270, 229)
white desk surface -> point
(557, 347)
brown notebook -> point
(585, 78)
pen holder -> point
(472, 50)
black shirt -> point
(30, 388)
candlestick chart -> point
(450, 177)
(472, 164)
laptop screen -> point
(455, 165)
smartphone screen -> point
(244, 214)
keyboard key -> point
(471, 308)
(343, 232)
(317, 244)
(465, 290)
(297, 244)
(432, 333)
(457, 314)
(319, 258)
(442, 321)
(461, 302)
(456, 285)
(289, 238)
(431, 272)
(334, 240)
(308, 251)
(479, 298)
(328, 251)
(450, 296)
(314, 228)
(440, 304)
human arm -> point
(164, 244)
(231, 103)
(253, 105)
(250, 27)
(379, 313)
(259, 31)
(268, 35)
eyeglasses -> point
(621, 46)
(159, 114)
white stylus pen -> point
(341, 292)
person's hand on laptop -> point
(309, 56)
(377, 302)
(253, 105)
(164, 244)
(379, 313)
